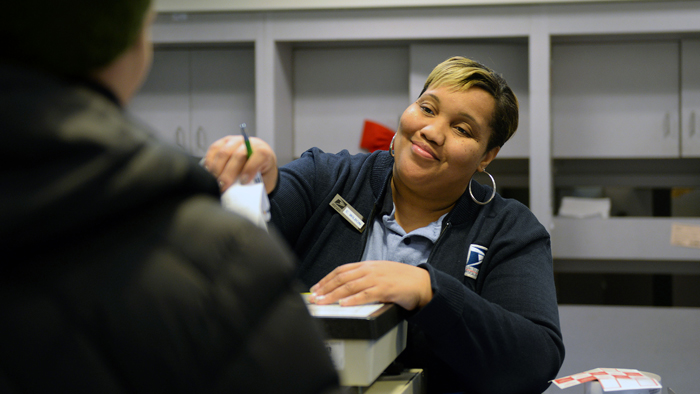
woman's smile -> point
(423, 150)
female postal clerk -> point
(409, 226)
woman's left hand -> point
(374, 281)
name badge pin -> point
(348, 212)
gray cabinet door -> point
(193, 97)
(163, 102)
(615, 99)
(223, 95)
(337, 88)
(690, 99)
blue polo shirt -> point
(388, 241)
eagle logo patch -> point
(474, 259)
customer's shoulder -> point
(214, 233)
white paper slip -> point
(249, 201)
(335, 310)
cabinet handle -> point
(201, 139)
(180, 139)
(691, 131)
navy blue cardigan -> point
(497, 333)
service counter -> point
(363, 341)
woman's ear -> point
(488, 158)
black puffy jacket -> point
(121, 273)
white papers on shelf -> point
(583, 207)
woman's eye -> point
(427, 110)
(461, 130)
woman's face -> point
(442, 140)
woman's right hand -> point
(227, 159)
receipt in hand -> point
(249, 201)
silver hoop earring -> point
(391, 146)
(493, 192)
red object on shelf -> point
(376, 136)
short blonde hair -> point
(462, 74)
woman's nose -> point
(435, 132)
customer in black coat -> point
(120, 272)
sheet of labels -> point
(611, 379)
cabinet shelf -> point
(640, 239)
(652, 173)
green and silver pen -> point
(247, 141)
(249, 149)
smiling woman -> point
(477, 278)
(442, 140)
